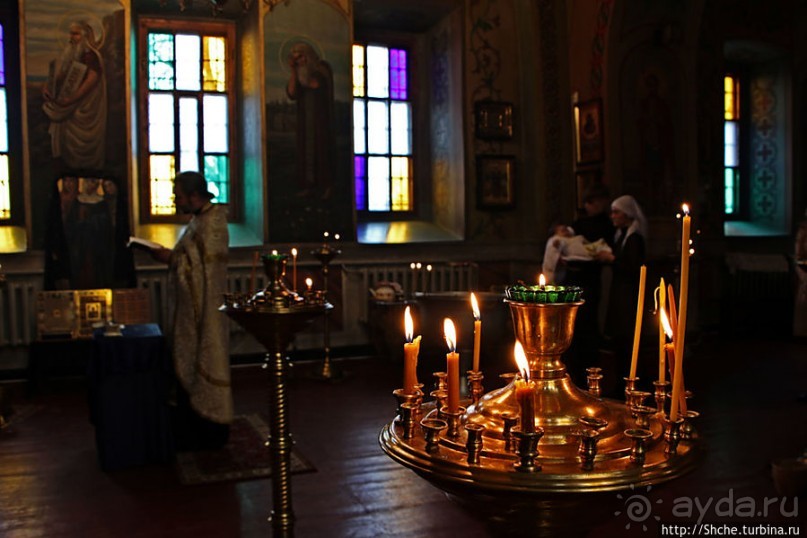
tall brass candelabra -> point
(545, 475)
(273, 316)
(325, 254)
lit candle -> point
(542, 281)
(525, 390)
(452, 366)
(308, 283)
(665, 332)
(294, 269)
(411, 350)
(477, 331)
(662, 341)
(637, 331)
(678, 375)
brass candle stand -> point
(325, 254)
(583, 445)
(273, 316)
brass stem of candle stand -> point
(280, 444)
(660, 395)
(325, 254)
(473, 444)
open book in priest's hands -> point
(139, 242)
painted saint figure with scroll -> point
(76, 101)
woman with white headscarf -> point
(626, 258)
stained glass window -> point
(731, 145)
(187, 103)
(382, 129)
(5, 180)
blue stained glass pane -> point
(360, 182)
(215, 122)
(2, 57)
(3, 121)
(189, 67)
(161, 61)
(161, 122)
(218, 177)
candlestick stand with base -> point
(538, 485)
(325, 254)
(273, 316)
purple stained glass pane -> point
(2, 56)
(398, 74)
(360, 182)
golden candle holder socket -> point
(594, 377)
(439, 397)
(588, 448)
(688, 428)
(402, 397)
(473, 443)
(453, 419)
(639, 438)
(660, 395)
(441, 383)
(475, 385)
(408, 419)
(672, 435)
(527, 449)
(597, 424)
(510, 420)
(431, 432)
(630, 385)
(642, 414)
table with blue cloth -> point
(129, 378)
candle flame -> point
(274, 253)
(429, 267)
(542, 280)
(294, 252)
(309, 282)
(475, 306)
(450, 334)
(409, 326)
(665, 322)
(521, 360)
(336, 237)
(685, 209)
(412, 265)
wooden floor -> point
(51, 485)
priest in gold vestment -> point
(197, 330)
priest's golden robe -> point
(200, 333)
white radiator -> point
(426, 278)
(18, 311)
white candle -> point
(680, 333)
(452, 366)
(637, 331)
(294, 269)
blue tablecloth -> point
(129, 376)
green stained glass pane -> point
(188, 62)
(161, 122)
(5, 189)
(162, 169)
(214, 63)
(161, 61)
(218, 177)
(378, 184)
(189, 134)
(215, 123)
(378, 127)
